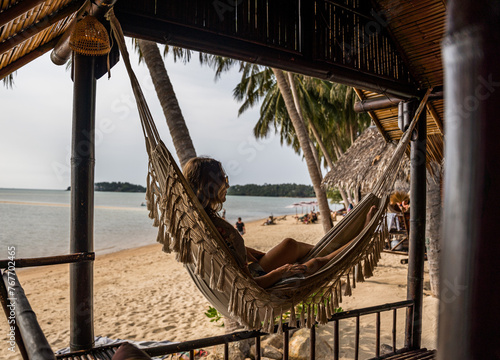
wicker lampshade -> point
(90, 37)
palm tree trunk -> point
(316, 157)
(345, 199)
(303, 138)
(337, 149)
(321, 144)
(175, 120)
(433, 227)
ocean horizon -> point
(37, 222)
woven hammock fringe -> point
(340, 291)
(220, 282)
(347, 290)
(265, 323)
(310, 312)
(280, 324)
(235, 308)
(212, 274)
(270, 328)
(323, 318)
(360, 278)
(368, 270)
(335, 302)
(184, 255)
(328, 309)
(230, 306)
(292, 321)
(303, 316)
(256, 320)
(353, 270)
(200, 269)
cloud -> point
(36, 120)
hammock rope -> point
(185, 229)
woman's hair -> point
(208, 181)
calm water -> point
(37, 221)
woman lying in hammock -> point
(209, 182)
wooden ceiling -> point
(384, 48)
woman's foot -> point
(370, 214)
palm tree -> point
(286, 90)
(164, 90)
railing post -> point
(312, 339)
(82, 203)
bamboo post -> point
(469, 314)
(416, 251)
(82, 202)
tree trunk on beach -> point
(433, 226)
(303, 138)
(175, 120)
(321, 144)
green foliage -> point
(277, 190)
(334, 196)
(214, 315)
(119, 187)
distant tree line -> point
(118, 187)
(281, 190)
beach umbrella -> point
(295, 205)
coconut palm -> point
(164, 90)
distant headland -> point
(117, 187)
(281, 190)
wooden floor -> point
(420, 354)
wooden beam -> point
(379, 103)
(40, 26)
(17, 10)
(436, 117)
(19, 63)
(374, 117)
(162, 31)
(386, 102)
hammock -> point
(185, 229)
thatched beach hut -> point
(363, 163)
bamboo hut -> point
(363, 163)
(390, 51)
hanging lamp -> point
(90, 37)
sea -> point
(37, 222)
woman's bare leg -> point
(315, 264)
(287, 252)
(290, 251)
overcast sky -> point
(36, 118)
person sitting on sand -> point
(210, 183)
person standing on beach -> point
(240, 226)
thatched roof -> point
(401, 59)
(363, 163)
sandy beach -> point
(144, 294)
